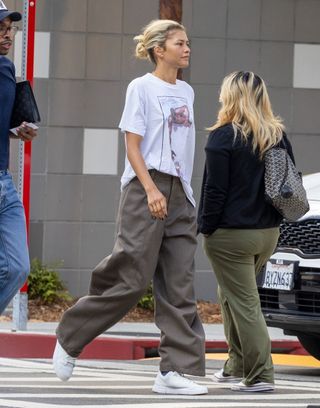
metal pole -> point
(20, 301)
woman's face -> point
(176, 52)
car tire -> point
(311, 343)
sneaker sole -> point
(227, 379)
(178, 391)
(253, 389)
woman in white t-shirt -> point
(156, 227)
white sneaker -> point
(257, 387)
(63, 364)
(225, 378)
(175, 383)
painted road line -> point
(73, 379)
(211, 385)
(231, 397)
(278, 359)
(23, 404)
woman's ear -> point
(158, 52)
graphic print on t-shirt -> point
(177, 120)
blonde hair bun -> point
(141, 50)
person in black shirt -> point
(14, 257)
(240, 228)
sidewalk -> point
(124, 341)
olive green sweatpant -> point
(237, 256)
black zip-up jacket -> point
(232, 193)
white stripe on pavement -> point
(22, 404)
(285, 385)
(235, 396)
(71, 385)
(78, 387)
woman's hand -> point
(157, 204)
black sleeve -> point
(216, 183)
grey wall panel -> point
(132, 67)
(71, 279)
(97, 241)
(307, 28)
(199, 157)
(100, 198)
(306, 149)
(76, 280)
(63, 197)
(105, 16)
(67, 100)
(40, 152)
(187, 15)
(65, 148)
(281, 101)
(102, 104)
(244, 19)
(69, 15)
(207, 61)
(68, 54)
(206, 112)
(107, 50)
(138, 13)
(38, 202)
(44, 15)
(305, 106)
(242, 55)
(36, 239)
(209, 18)
(276, 63)
(62, 243)
(277, 20)
(41, 92)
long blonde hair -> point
(154, 34)
(246, 104)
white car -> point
(289, 287)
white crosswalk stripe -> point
(32, 384)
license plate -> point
(279, 274)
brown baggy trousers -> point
(146, 249)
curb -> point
(41, 345)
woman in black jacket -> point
(240, 228)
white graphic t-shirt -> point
(162, 113)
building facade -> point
(83, 64)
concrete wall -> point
(84, 62)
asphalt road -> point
(32, 384)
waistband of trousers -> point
(162, 176)
(4, 172)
